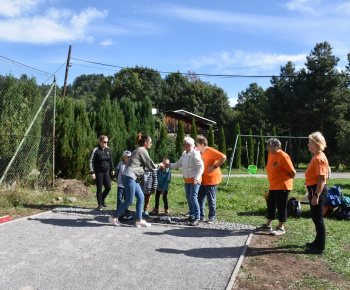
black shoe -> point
(104, 205)
(313, 251)
(99, 208)
(194, 223)
(191, 219)
(127, 212)
(310, 245)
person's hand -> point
(93, 176)
(112, 173)
(314, 200)
(212, 168)
(195, 182)
(167, 165)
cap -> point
(126, 153)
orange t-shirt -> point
(318, 166)
(210, 157)
(278, 167)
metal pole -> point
(231, 160)
(53, 135)
(66, 76)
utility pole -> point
(66, 76)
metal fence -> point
(27, 124)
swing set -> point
(252, 168)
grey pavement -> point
(59, 250)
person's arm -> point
(292, 173)
(217, 164)
(199, 166)
(320, 185)
(91, 164)
(167, 181)
(111, 165)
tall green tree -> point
(210, 137)
(179, 139)
(162, 145)
(222, 143)
(237, 161)
(194, 130)
(251, 148)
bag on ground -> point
(293, 208)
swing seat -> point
(252, 169)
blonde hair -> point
(102, 138)
(318, 139)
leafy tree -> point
(194, 130)
(211, 137)
(179, 139)
(237, 161)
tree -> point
(179, 139)
(237, 161)
(211, 137)
(251, 148)
(162, 145)
(194, 130)
(222, 143)
(262, 160)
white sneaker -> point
(142, 223)
(114, 221)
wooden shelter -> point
(172, 119)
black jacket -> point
(101, 160)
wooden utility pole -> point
(66, 76)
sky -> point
(224, 37)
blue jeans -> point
(120, 196)
(131, 189)
(210, 192)
(192, 199)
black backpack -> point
(343, 212)
(293, 208)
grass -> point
(242, 201)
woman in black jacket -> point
(100, 164)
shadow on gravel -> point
(71, 222)
(276, 250)
(192, 232)
(206, 253)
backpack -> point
(343, 211)
(293, 208)
(333, 197)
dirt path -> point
(266, 266)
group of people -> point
(280, 173)
(200, 166)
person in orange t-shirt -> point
(316, 181)
(280, 172)
(211, 177)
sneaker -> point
(114, 221)
(99, 208)
(313, 251)
(191, 219)
(194, 222)
(104, 205)
(211, 221)
(264, 227)
(278, 231)
(127, 217)
(166, 212)
(310, 245)
(154, 211)
(145, 213)
(127, 212)
(142, 223)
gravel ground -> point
(75, 248)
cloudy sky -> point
(222, 37)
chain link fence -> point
(27, 124)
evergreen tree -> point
(211, 137)
(222, 144)
(128, 108)
(237, 161)
(162, 145)
(262, 151)
(251, 148)
(274, 131)
(179, 139)
(194, 130)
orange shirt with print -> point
(278, 167)
(210, 157)
(318, 166)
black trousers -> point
(102, 179)
(165, 199)
(277, 199)
(317, 216)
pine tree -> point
(179, 139)
(194, 130)
(162, 145)
(211, 137)
(222, 144)
(128, 108)
(274, 131)
(237, 161)
(251, 148)
(262, 151)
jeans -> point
(317, 216)
(192, 199)
(131, 189)
(277, 199)
(120, 196)
(102, 179)
(210, 192)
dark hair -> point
(141, 139)
(202, 140)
